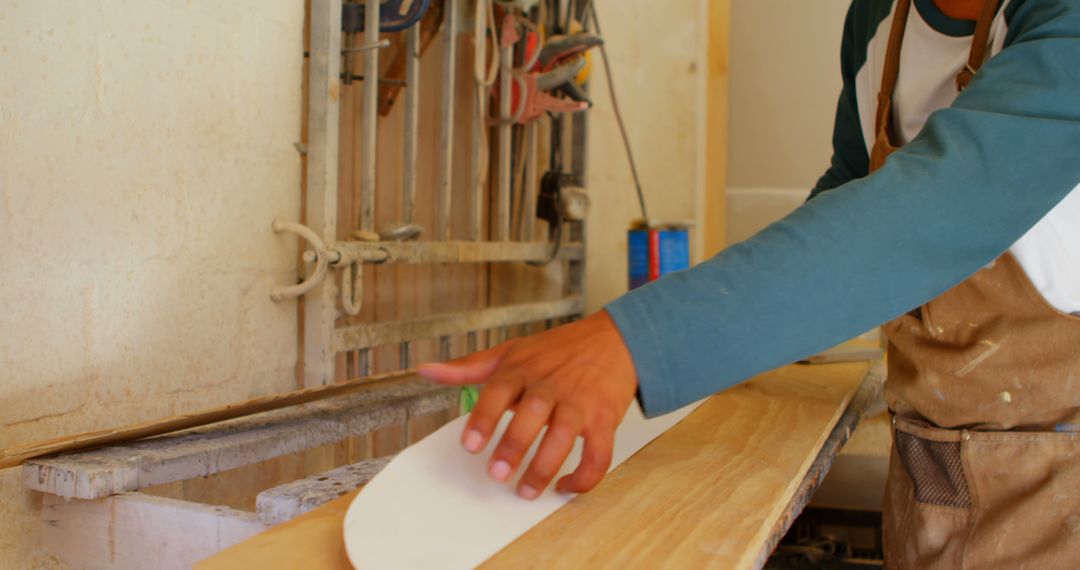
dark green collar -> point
(937, 19)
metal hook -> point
(322, 261)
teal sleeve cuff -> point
(640, 336)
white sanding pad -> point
(434, 506)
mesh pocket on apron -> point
(936, 471)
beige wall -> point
(785, 80)
(144, 150)
(658, 57)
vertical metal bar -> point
(445, 181)
(412, 116)
(479, 138)
(502, 212)
(578, 161)
(364, 362)
(532, 142)
(322, 182)
(446, 140)
(369, 117)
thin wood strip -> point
(18, 455)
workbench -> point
(719, 489)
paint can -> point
(656, 250)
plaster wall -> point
(785, 81)
(145, 148)
(658, 56)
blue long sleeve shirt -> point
(870, 247)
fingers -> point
(494, 400)
(472, 369)
(566, 423)
(595, 461)
(530, 417)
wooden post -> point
(320, 310)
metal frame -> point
(323, 338)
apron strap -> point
(978, 44)
(883, 145)
(892, 62)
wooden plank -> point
(140, 531)
(709, 492)
(198, 453)
(17, 455)
(716, 127)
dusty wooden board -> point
(715, 490)
(197, 453)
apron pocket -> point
(936, 470)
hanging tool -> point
(555, 66)
(394, 15)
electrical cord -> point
(618, 115)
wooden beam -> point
(324, 70)
(198, 453)
(19, 454)
(716, 126)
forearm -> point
(979, 175)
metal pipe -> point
(446, 136)
(528, 223)
(444, 185)
(502, 208)
(369, 108)
(369, 335)
(412, 115)
(447, 252)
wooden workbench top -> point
(719, 489)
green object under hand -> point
(468, 398)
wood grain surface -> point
(312, 541)
(707, 493)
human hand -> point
(578, 379)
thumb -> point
(474, 368)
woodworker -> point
(950, 213)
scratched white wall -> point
(658, 57)
(144, 150)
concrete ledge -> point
(284, 502)
(204, 451)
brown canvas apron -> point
(984, 385)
